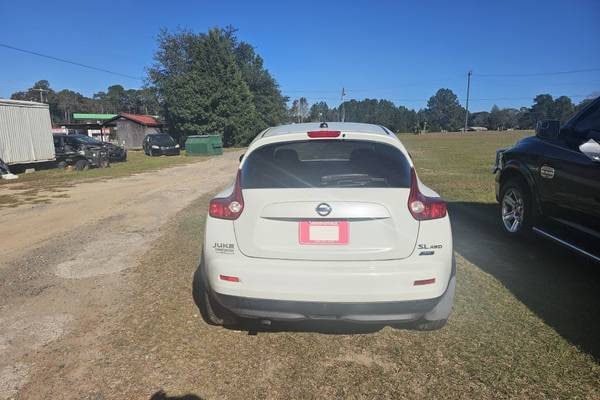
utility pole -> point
(343, 116)
(467, 104)
(41, 94)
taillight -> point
(422, 207)
(229, 207)
(323, 134)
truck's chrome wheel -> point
(513, 207)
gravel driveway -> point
(64, 264)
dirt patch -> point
(108, 255)
(12, 378)
(144, 199)
(64, 267)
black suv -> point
(80, 151)
(550, 182)
(160, 144)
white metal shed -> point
(25, 132)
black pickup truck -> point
(550, 183)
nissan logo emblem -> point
(323, 209)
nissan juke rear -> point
(327, 221)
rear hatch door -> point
(326, 200)
(365, 225)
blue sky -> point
(399, 50)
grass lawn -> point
(524, 322)
(459, 166)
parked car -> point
(327, 222)
(160, 144)
(80, 151)
(115, 153)
(550, 183)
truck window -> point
(589, 122)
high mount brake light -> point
(323, 134)
(229, 207)
(422, 207)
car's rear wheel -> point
(515, 208)
(211, 311)
(61, 165)
(82, 165)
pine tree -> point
(202, 88)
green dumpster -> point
(203, 145)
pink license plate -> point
(323, 232)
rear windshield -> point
(326, 163)
(81, 139)
(162, 140)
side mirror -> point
(547, 129)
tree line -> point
(443, 113)
(115, 99)
(207, 83)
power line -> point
(393, 87)
(70, 62)
(575, 71)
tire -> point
(211, 312)
(516, 208)
(82, 165)
(104, 164)
(61, 165)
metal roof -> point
(146, 120)
(332, 126)
(22, 103)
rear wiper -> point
(351, 180)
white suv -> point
(327, 221)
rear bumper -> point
(167, 152)
(360, 304)
(377, 312)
